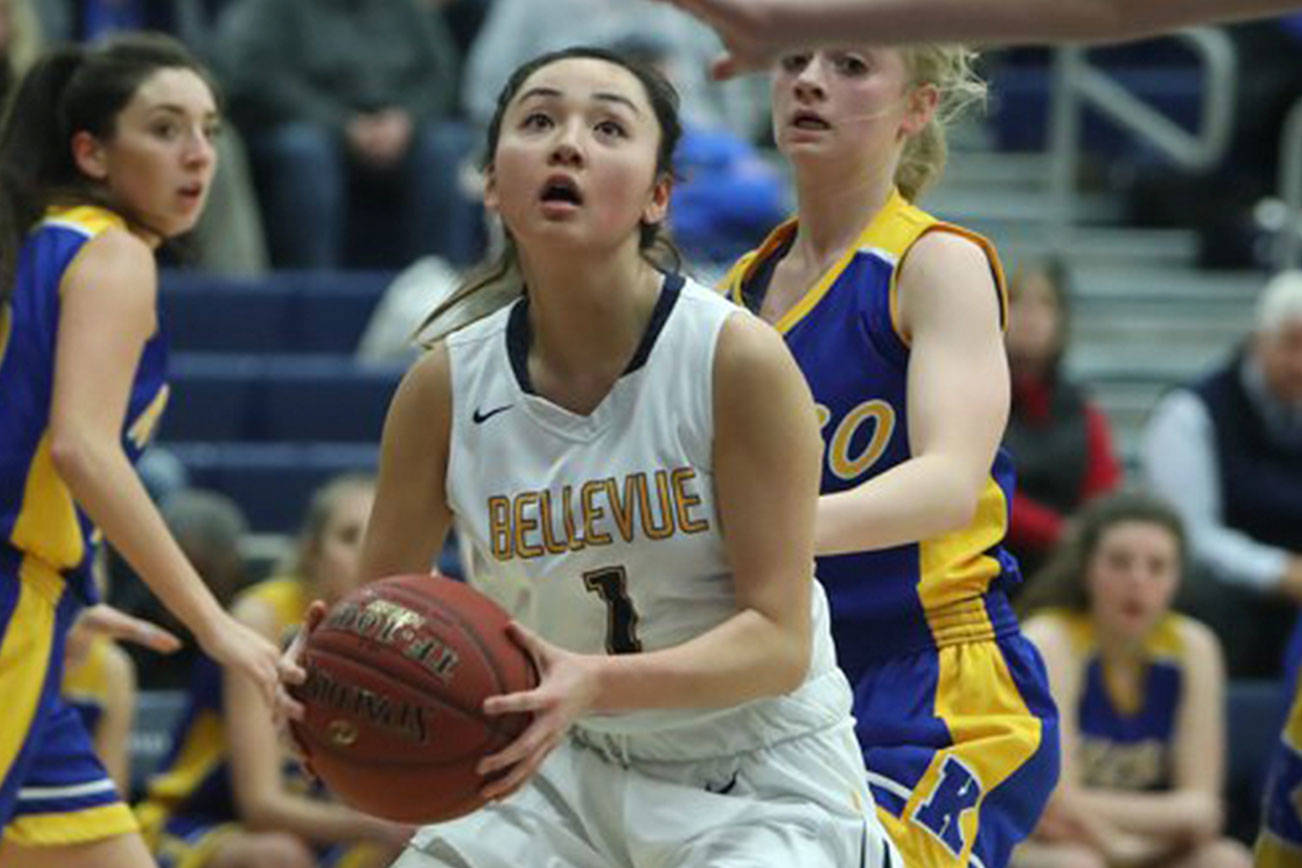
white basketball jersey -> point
(601, 532)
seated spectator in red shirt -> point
(1061, 442)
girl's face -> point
(1034, 320)
(847, 103)
(159, 162)
(332, 563)
(1132, 577)
(575, 163)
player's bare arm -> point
(755, 32)
(410, 518)
(957, 371)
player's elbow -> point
(958, 505)
(957, 513)
(791, 661)
(259, 814)
(1204, 816)
(953, 488)
(71, 451)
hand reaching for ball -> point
(566, 691)
(292, 673)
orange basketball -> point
(397, 674)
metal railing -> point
(1290, 189)
(1078, 83)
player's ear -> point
(922, 102)
(657, 205)
(88, 154)
(491, 200)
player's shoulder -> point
(705, 300)
(487, 327)
(116, 261)
(942, 250)
(1055, 631)
(267, 605)
(1196, 639)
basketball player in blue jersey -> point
(631, 462)
(895, 320)
(756, 32)
(1142, 695)
(106, 151)
(227, 796)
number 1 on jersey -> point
(611, 584)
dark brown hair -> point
(68, 90)
(1058, 276)
(1062, 584)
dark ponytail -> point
(34, 151)
(69, 90)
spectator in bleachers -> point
(213, 805)
(517, 30)
(337, 98)
(84, 20)
(1227, 451)
(1060, 440)
(1141, 694)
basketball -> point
(397, 674)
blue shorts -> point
(189, 841)
(53, 789)
(961, 745)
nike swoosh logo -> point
(723, 790)
(479, 418)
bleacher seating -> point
(297, 398)
(1255, 712)
(267, 399)
(282, 312)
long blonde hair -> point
(950, 69)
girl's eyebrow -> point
(604, 96)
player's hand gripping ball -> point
(397, 675)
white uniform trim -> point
(889, 785)
(68, 224)
(103, 785)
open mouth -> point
(561, 189)
(191, 190)
(806, 120)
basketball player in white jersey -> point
(632, 464)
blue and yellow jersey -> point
(845, 335)
(1280, 842)
(1126, 739)
(194, 779)
(38, 516)
(86, 685)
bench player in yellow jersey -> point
(106, 151)
(227, 796)
(895, 319)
